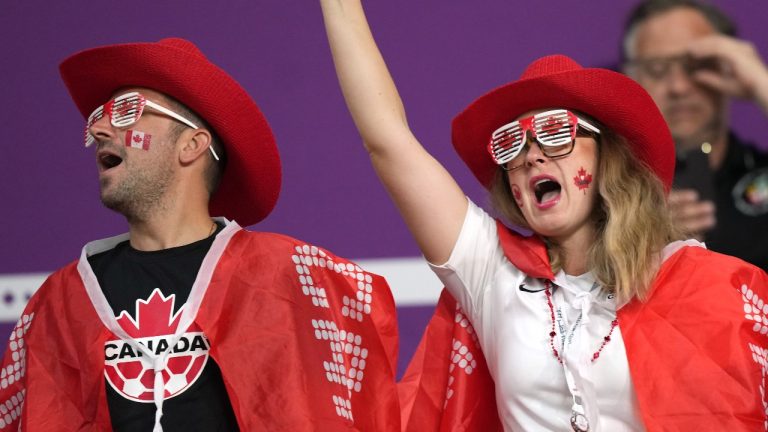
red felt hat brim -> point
(615, 100)
(250, 183)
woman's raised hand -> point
(431, 203)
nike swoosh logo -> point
(523, 288)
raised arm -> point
(431, 203)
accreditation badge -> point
(751, 193)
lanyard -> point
(576, 367)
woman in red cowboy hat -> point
(603, 319)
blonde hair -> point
(631, 217)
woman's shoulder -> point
(693, 253)
(690, 267)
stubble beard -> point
(141, 193)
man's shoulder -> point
(64, 273)
(272, 239)
(260, 244)
(58, 286)
(266, 238)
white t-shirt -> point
(511, 316)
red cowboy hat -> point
(251, 181)
(559, 82)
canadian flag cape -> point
(697, 349)
(305, 341)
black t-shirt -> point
(739, 190)
(138, 285)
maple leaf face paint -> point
(137, 139)
(136, 162)
(555, 194)
(582, 180)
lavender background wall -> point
(442, 54)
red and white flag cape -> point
(697, 349)
(305, 340)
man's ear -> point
(192, 144)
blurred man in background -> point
(686, 55)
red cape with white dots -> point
(697, 349)
(305, 341)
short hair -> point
(647, 9)
(215, 169)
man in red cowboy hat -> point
(189, 322)
(686, 55)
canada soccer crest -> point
(130, 372)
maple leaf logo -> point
(137, 138)
(130, 371)
(583, 180)
(553, 125)
(121, 108)
(154, 317)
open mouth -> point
(546, 190)
(108, 160)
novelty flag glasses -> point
(126, 110)
(555, 133)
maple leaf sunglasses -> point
(125, 110)
(554, 130)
